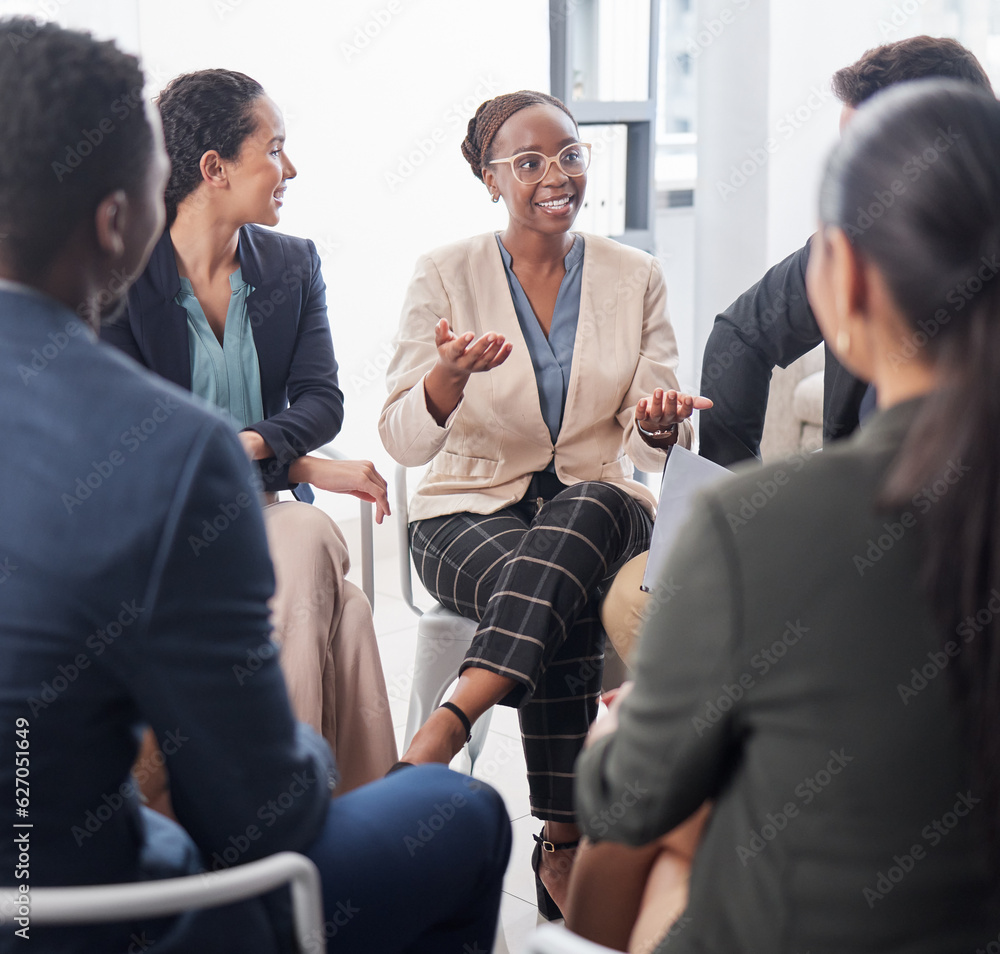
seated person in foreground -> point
(237, 314)
(838, 706)
(111, 618)
(534, 369)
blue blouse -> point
(227, 375)
(552, 356)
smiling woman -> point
(237, 314)
(534, 366)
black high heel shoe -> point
(546, 906)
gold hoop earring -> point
(843, 341)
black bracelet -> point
(467, 725)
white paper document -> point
(684, 475)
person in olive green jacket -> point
(825, 678)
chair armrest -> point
(367, 538)
(401, 503)
(92, 904)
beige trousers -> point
(329, 655)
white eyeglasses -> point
(532, 167)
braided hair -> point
(491, 115)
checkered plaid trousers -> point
(533, 575)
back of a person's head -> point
(917, 57)
(915, 186)
(73, 117)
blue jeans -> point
(415, 863)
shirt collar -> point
(573, 257)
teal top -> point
(552, 356)
(226, 375)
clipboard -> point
(684, 474)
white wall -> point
(376, 97)
(764, 101)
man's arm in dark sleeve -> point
(315, 409)
(770, 324)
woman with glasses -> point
(534, 370)
(237, 314)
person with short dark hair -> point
(838, 705)
(772, 324)
(237, 314)
(134, 583)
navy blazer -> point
(303, 405)
(134, 580)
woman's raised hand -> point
(663, 408)
(459, 357)
(462, 355)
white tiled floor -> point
(501, 762)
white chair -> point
(94, 904)
(555, 939)
(443, 638)
(367, 545)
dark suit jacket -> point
(794, 677)
(134, 579)
(303, 406)
(770, 324)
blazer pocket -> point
(620, 469)
(458, 465)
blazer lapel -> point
(594, 370)
(161, 325)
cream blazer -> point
(483, 457)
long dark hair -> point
(209, 109)
(915, 185)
